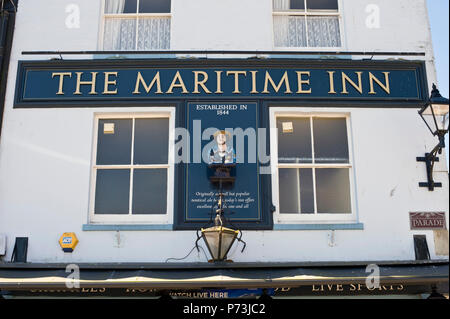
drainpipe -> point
(7, 21)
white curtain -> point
(323, 32)
(153, 33)
(119, 34)
(290, 31)
(114, 6)
(281, 5)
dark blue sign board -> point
(87, 83)
(241, 199)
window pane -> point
(112, 191)
(281, 5)
(151, 140)
(323, 32)
(296, 191)
(114, 147)
(119, 34)
(330, 140)
(289, 31)
(294, 146)
(150, 191)
(120, 6)
(154, 6)
(333, 191)
(154, 33)
(297, 4)
(289, 190)
(306, 191)
(322, 4)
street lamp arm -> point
(435, 108)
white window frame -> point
(306, 13)
(104, 16)
(316, 217)
(167, 218)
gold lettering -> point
(201, 83)
(177, 82)
(385, 86)
(108, 82)
(236, 79)
(61, 80)
(284, 79)
(91, 83)
(331, 76)
(219, 82)
(254, 91)
(346, 79)
(140, 79)
(314, 288)
(301, 82)
(339, 288)
(352, 287)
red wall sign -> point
(427, 220)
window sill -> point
(309, 49)
(352, 226)
(102, 227)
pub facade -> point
(135, 131)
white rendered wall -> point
(45, 154)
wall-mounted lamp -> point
(219, 238)
(435, 114)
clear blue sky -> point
(439, 16)
(438, 11)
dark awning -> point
(222, 276)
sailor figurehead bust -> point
(222, 153)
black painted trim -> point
(5, 52)
(232, 52)
(225, 265)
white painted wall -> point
(222, 25)
(45, 154)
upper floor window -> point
(136, 25)
(312, 172)
(132, 174)
(306, 23)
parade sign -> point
(427, 220)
